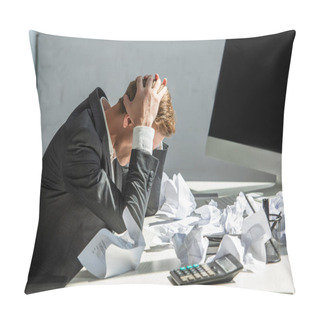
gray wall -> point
(68, 69)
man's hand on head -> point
(143, 109)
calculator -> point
(223, 269)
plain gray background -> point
(69, 69)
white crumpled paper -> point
(232, 219)
(176, 198)
(210, 219)
(226, 221)
(186, 236)
(109, 254)
(244, 232)
(249, 247)
(191, 247)
(276, 207)
(163, 233)
(276, 204)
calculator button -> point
(206, 266)
(215, 269)
(210, 272)
(197, 275)
(191, 278)
(184, 279)
(204, 274)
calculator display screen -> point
(226, 264)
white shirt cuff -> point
(143, 138)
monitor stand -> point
(272, 190)
(227, 188)
(210, 189)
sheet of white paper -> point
(255, 233)
(119, 260)
(258, 218)
(109, 254)
(229, 244)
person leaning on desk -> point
(86, 183)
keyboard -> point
(222, 202)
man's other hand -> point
(143, 109)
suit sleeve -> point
(154, 199)
(85, 179)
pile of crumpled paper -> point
(243, 231)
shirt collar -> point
(111, 150)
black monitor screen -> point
(250, 97)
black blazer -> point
(78, 197)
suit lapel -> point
(98, 117)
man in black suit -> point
(87, 182)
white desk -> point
(157, 261)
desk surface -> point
(157, 261)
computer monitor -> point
(247, 119)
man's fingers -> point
(149, 82)
(139, 83)
(157, 84)
(148, 85)
(126, 101)
(163, 91)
